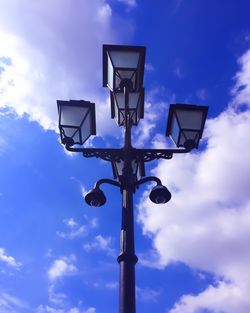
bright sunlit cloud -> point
(208, 219)
(61, 267)
(39, 66)
(8, 259)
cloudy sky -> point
(57, 255)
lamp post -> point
(123, 71)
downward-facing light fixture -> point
(95, 197)
(160, 194)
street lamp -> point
(76, 121)
(123, 63)
(123, 71)
(185, 124)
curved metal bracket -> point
(111, 155)
(148, 179)
(107, 181)
(102, 153)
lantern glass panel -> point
(189, 135)
(175, 130)
(72, 115)
(119, 167)
(71, 132)
(76, 120)
(135, 103)
(137, 168)
(120, 75)
(86, 127)
(123, 62)
(124, 59)
(110, 73)
(190, 119)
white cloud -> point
(241, 91)
(149, 67)
(129, 3)
(147, 294)
(76, 310)
(206, 224)
(147, 125)
(90, 310)
(227, 298)
(11, 304)
(202, 94)
(154, 110)
(105, 12)
(75, 230)
(8, 259)
(75, 233)
(60, 268)
(55, 297)
(112, 285)
(59, 58)
(70, 222)
(49, 309)
(100, 243)
(178, 72)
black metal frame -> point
(139, 70)
(138, 112)
(128, 182)
(185, 107)
(111, 155)
(81, 104)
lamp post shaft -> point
(127, 258)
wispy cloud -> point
(148, 124)
(178, 72)
(11, 304)
(49, 309)
(8, 259)
(112, 285)
(55, 297)
(129, 3)
(62, 267)
(202, 94)
(149, 67)
(100, 243)
(75, 230)
(241, 90)
(147, 294)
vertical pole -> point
(127, 258)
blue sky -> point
(57, 255)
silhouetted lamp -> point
(185, 124)
(160, 194)
(123, 62)
(138, 168)
(135, 106)
(95, 197)
(76, 121)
